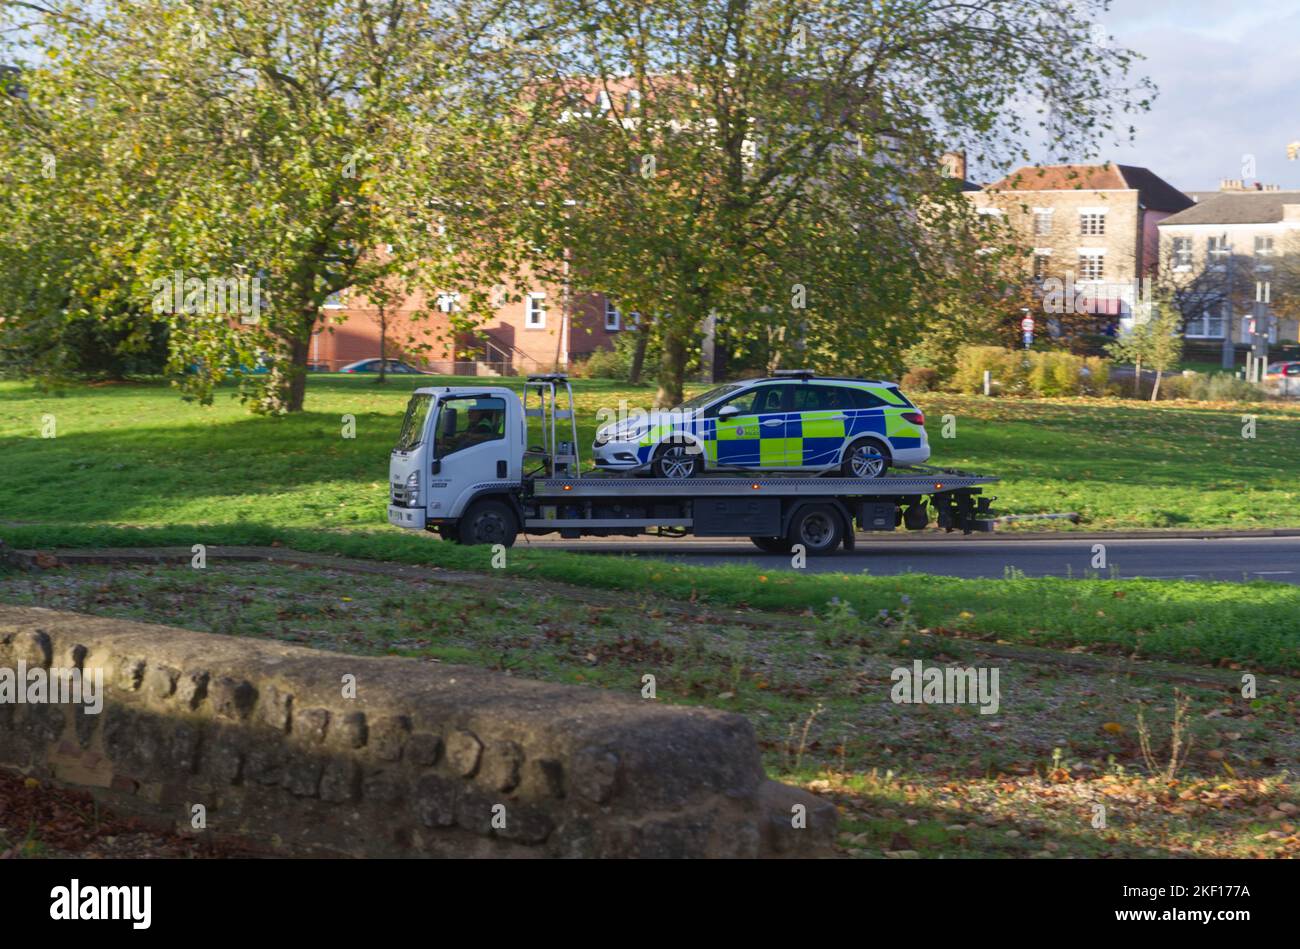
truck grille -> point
(398, 493)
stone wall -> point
(426, 759)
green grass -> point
(135, 454)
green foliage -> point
(759, 184)
(1046, 373)
(289, 143)
(1211, 387)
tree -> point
(239, 140)
(1156, 339)
(775, 162)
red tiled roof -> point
(1156, 193)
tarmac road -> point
(1192, 558)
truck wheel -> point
(818, 527)
(488, 522)
(677, 461)
(772, 545)
(865, 458)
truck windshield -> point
(417, 413)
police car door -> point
(754, 435)
(816, 426)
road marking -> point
(1271, 573)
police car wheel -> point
(488, 522)
(865, 459)
(676, 461)
(818, 528)
(772, 545)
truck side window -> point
(469, 421)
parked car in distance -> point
(1283, 378)
(394, 366)
(318, 367)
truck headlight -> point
(413, 489)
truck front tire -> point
(488, 522)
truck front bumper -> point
(410, 517)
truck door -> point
(470, 450)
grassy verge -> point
(136, 454)
(926, 780)
(1247, 624)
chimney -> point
(954, 165)
(1231, 184)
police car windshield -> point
(712, 395)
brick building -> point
(1090, 228)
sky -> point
(1228, 76)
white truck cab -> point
(455, 443)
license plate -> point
(405, 516)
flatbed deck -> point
(906, 482)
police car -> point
(793, 421)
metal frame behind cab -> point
(562, 465)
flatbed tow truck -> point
(463, 467)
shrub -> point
(604, 364)
(921, 379)
(1050, 373)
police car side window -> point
(862, 399)
(754, 402)
(808, 399)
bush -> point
(1033, 373)
(921, 379)
(604, 364)
(1211, 387)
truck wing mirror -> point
(435, 467)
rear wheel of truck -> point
(772, 545)
(818, 527)
(488, 522)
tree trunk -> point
(1155, 390)
(672, 369)
(1137, 376)
(638, 354)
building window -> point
(633, 100)
(1092, 222)
(1092, 265)
(1263, 247)
(1206, 326)
(1042, 260)
(1042, 222)
(535, 315)
(1182, 253)
(334, 301)
(613, 323)
(447, 302)
(603, 104)
(1216, 250)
